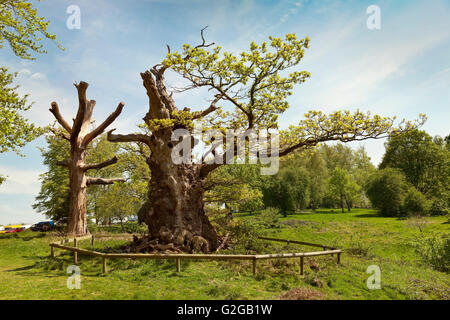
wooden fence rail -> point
(297, 242)
(179, 257)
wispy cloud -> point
(20, 181)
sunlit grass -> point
(27, 271)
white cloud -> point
(18, 213)
(38, 76)
(19, 181)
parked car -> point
(12, 230)
(43, 226)
(8, 229)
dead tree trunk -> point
(79, 135)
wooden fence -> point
(178, 257)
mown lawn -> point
(27, 271)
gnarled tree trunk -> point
(175, 210)
(79, 136)
(175, 213)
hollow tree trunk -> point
(175, 212)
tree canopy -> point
(22, 28)
(15, 130)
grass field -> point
(27, 271)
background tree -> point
(318, 179)
(15, 130)
(22, 29)
(387, 190)
(416, 203)
(118, 202)
(425, 163)
(80, 136)
(232, 186)
(288, 190)
(256, 84)
(53, 198)
(343, 187)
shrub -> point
(439, 207)
(415, 203)
(243, 234)
(135, 227)
(387, 190)
(288, 190)
(435, 251)
(268, 218)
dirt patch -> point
(302, 294)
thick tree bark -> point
(174, 212)
(80, 136)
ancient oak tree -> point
(253, 88)
(80, 134)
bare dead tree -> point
(79, 135)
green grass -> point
(27, 271)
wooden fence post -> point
(52, 251)
(92, 241)
(75, 253)
(338, 258)
(301, 265)
(178, 264)
(254, 266)
(104, 264)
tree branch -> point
(100, 181)
(133, 137)
(55, 110)
(60, 133)
(64, 163)
(213, 107)
(100, 165)
(82, 108)
(99, 130)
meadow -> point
(28, 272)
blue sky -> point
(402, 69)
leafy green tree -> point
(232, 186)
(338, 155)
(318, 179)
(418, 157)
(424, 161)
(118, 202)
(53, 198)
(416, 203)
(288, 190)
(256, 83)
(22, 28)
(15, 130)
(343, 187)
(387, 189)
